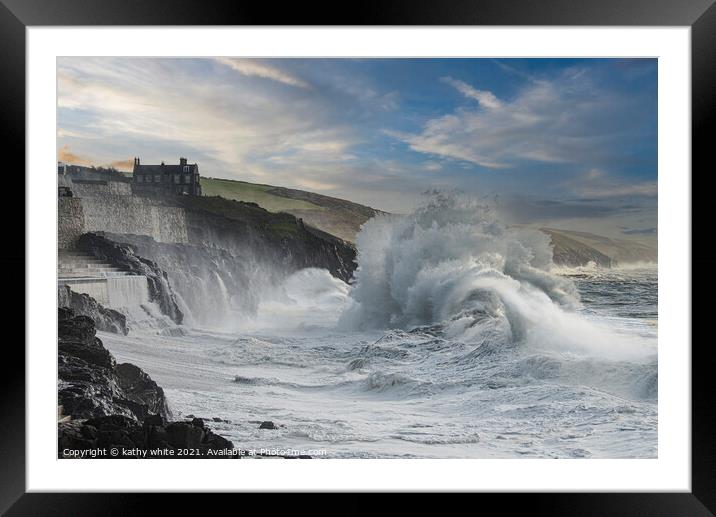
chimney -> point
(182, 161)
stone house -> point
(166, 179)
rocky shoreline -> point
(116, 410)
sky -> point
(565, 143)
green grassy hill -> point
(332, 215)
(253, 193)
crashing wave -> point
(452, 263)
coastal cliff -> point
(572, 248)
(571, 253)
(234, 252)
(279, 239)
(335, 216)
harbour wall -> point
(111, 208)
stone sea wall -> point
(134, 215)
(110, 207)
(70, 222)
(91, 189)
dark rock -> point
(184, 435)
(157, 420)
(122, 432)
(73, 435)
(92, 354)
(140, 388)
(157, 438)
(111, 423)
(64, 313)
(72, 327)
(116, 431)
(267, 424)
(89, 432)
(102, 432)
(87, 390)
(107, 320)
(216, 442)
(116, 406)
(92, 385)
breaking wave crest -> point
(453, 264)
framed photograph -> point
(428, 249)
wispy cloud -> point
(485, 98)
(312, 184)
(564, 120)
(514, 71)
(254, 67)
(431, 165)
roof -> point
(166, 169)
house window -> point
(186, 168)
(187, 178)
(157, 178)
(176, 178)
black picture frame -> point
(700, 15)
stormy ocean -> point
(457, 338)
